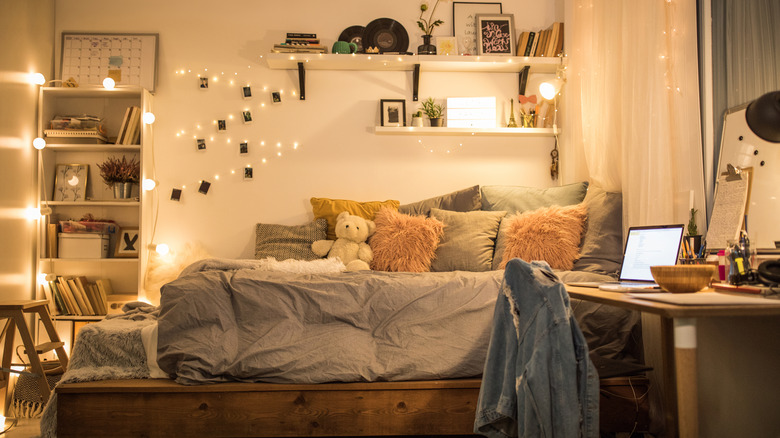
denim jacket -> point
(538, 379)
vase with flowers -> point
(121, 175)
(427, 26)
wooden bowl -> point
(683, 278)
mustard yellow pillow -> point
(331, 208)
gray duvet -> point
(249, 325)
(222, 321)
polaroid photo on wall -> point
(276, 97)
(203, 83)
(248, 173)
(176, 195)
(246, 92)
(247, 116)
(221, 125)
(201, 144)
(243, 148)
(204, 187)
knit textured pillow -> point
(404, 243)
(552, 234)
(284, 242)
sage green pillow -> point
(462, 200)
(521, 199)
(468, 241)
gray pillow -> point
(522, 199)
(284, 242)
(602, 245)
(468, 241)
(462, 200)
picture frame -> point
(70, 182)
(128, 58)
(464, 23)
(128, 243)
(446, 45)
(496, 34)
(392, 112)
(246, 116)
(246, 92)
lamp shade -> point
(763, 116)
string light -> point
(39, 143)
(109, 83)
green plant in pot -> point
(417, 120)
(427, 26)
(433, 110)
(692, 233)
(120, 175)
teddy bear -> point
(350, 245)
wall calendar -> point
(129, 59)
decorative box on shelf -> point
(83, 245)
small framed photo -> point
(203, 83)
(247, 116)
(392, 112)
(221, 125)
(201, 144)
(276, 97)
(243, 148)
(248, 173)
(496, 34)
(204, 187)
(127, 243)
(70, 183)
(446, 45)
(246, 92)
(176, 195)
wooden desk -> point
(679, 362)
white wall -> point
(26, 36)
(338, 155)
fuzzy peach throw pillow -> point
(552, 234)
(404, 243)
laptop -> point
(645, 246)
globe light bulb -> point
(149, 184)
(37, 78)
(109, 83)
(148, 118)
(39, 143)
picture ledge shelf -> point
(410, 130)
(130, 203)
(105, 260)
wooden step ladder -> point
(13, 311)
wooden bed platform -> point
(163, 408)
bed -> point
(239, 349)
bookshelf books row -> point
(74, 295)
(546, 42)
(130, 130)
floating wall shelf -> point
(413, 63)
(410, 130)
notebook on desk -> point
(645, 246)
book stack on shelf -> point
(75, 295)
(130, 130)
(547, 42)
(300, 43)
(76, 129)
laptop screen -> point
(650, 246)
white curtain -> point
(632, 104)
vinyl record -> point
(386, 34)
(353, 34)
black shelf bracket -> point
(302, 81)
(416, 82)
(523, 80)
